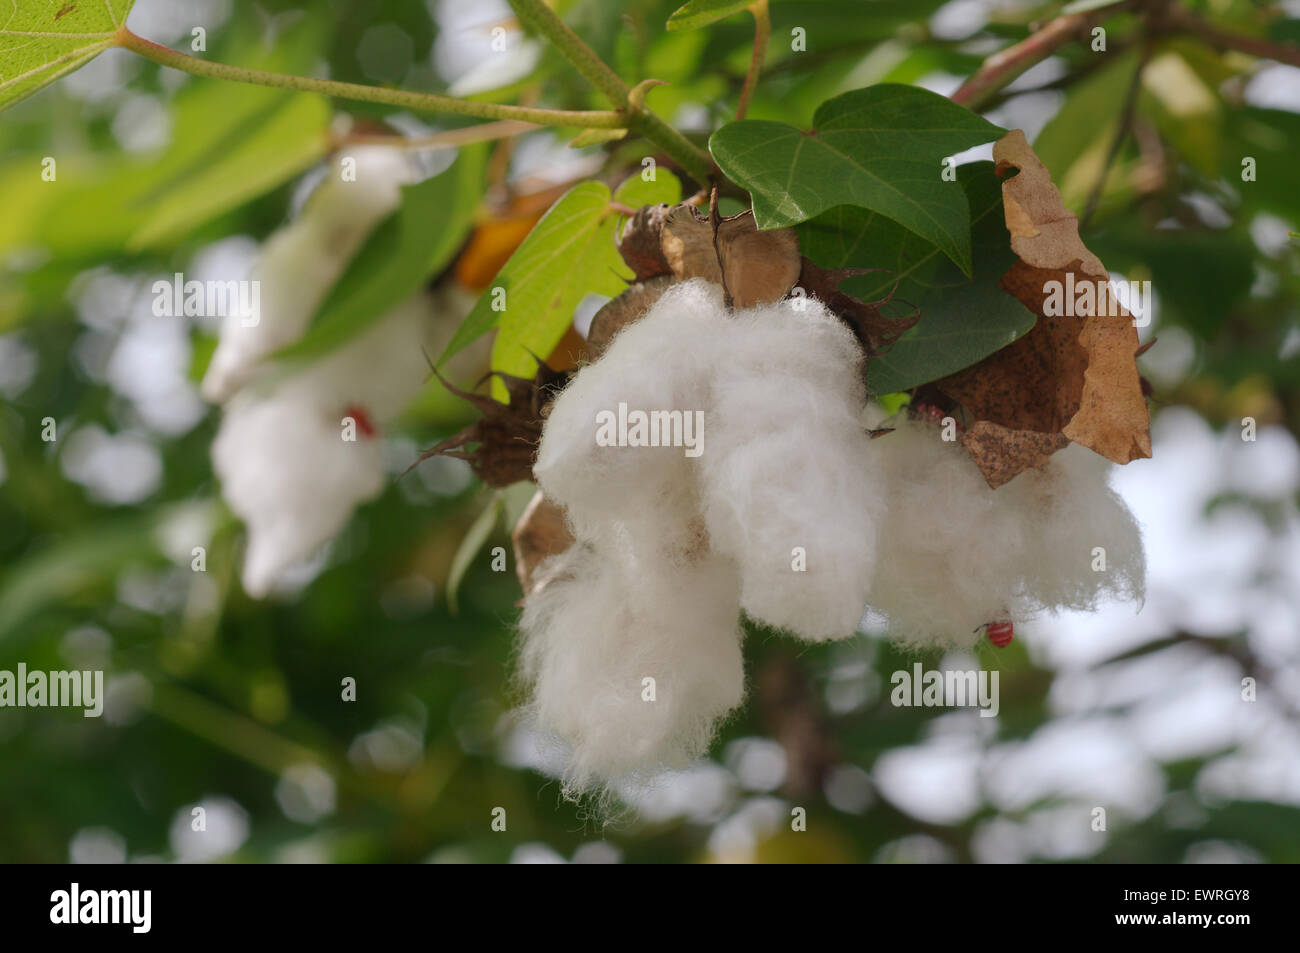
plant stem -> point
(1003, 67)
(423, 102)
(544, 20)
(444, 139)
(640, 119)
(1121, 133)
(1181, 19)
(762, 34)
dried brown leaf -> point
(1069, 377)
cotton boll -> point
(606, 624)
(661, 362)
(285, 466)
(288, 474)
(790, 487)
(1085, 542)
(957, 555)
(302, 261)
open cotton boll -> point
(957, 555)
(288, 474)
(661, 363)
(790, 488)
(604, 626)
(1085, 543)
(301, 262)
(291, 467)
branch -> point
(544, 20)
(762, 34)
(638, 117)
(423, 102)
(1180, 18)
(1121, 133)
(443, 139)
(1002, 68)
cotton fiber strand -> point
(957, 555)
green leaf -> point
(879, 148)
(42, 40)
(569, 253)
(698, 13)
(963, 320)
(477, 534)
(664, 188)
(415, 241)
(271, 137)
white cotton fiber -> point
(662, 362)
(956, 554)
(301, 262)
(286, 472)
(789, 484)
(596, 634)
(776, 513)
(284, 465)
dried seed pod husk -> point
(754, 267)
(875, 331)
(622, 311)
(640, 243)
(507, 434)
(540, 533)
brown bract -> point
(1071, 378)
(874, 330)
(507, 435)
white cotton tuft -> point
(956, 554)
(661, 362)
(775, 513)
(286, 472)
(631, 663)
(285, 466)
(789, 484)
(301, 262)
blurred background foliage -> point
(221, 701)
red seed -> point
(1000, 633)
(364, 424)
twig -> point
(444, 139)
(762, 34)
(1179, 18)
(1002, 68)
(1121, 133)
(423, 102)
